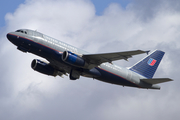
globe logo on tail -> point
(151, 62)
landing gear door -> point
(74, 74)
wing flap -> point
(156, 80)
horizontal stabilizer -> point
(156, 80)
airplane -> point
(63, 59)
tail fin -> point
(147, 66)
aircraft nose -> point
(12, 37)
(9, 36)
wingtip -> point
(147, 52)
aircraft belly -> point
(43, 51)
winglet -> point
(147, 52)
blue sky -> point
(8, 6)
(100, 5)
(11, 6)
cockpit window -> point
(22, 31)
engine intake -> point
(43, 67)
(73, 59)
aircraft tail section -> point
(147, 66)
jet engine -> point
(43, 67)
(73, 59)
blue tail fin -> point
(147, 67)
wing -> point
(97, 59)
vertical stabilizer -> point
(147, 67)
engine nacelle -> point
(73, 59)
(43, 67)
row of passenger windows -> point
(48, 39)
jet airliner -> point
(63, 59)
